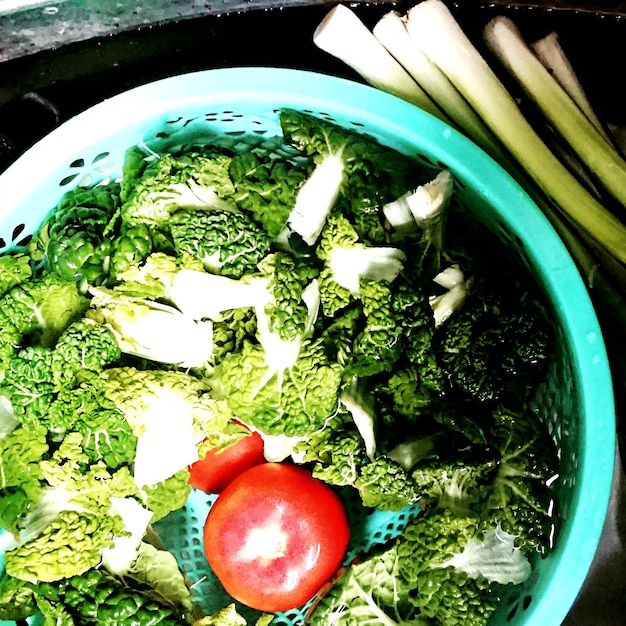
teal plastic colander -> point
(239, 106)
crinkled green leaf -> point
(225, 241)
(10, 339)
(266, 187)
(442, 593)
(136, 392)
(494, 557)
(96, 597)
(106, 434)
(75, 237)
(133, 245)
(70, 545)
(336, 452)
(152, 330)
(379, 344)
(171, 182)
(168, 495)
(375, 173)
(54, 614)
(17, 599)
(21, 452)
(14, 269)
(228, 616)
(159, 570)
(369, 593)
(83, 345)
(384, 484)
(43, 306)
(28, 385)
(294, 402)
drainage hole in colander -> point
(425, 160)
(17, 231)
(511, 614)
(517, 242)
(215, 116)
(67, 180)
(15, 238)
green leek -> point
(551, 54)
(507, 44)
(440, 36)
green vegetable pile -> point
(516, 92)
(332, 298)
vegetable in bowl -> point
(355, 337)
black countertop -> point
(602, 600)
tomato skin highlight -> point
(276, 536)
(214, 472)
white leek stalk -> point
(440, 36)
(506, 42)
(343, 35)
(390, 30)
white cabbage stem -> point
(316, 198)
(422, 206)
(430, 199)
(202, 295)
(349, 265)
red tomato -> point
(218, 468)
(275, 536)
